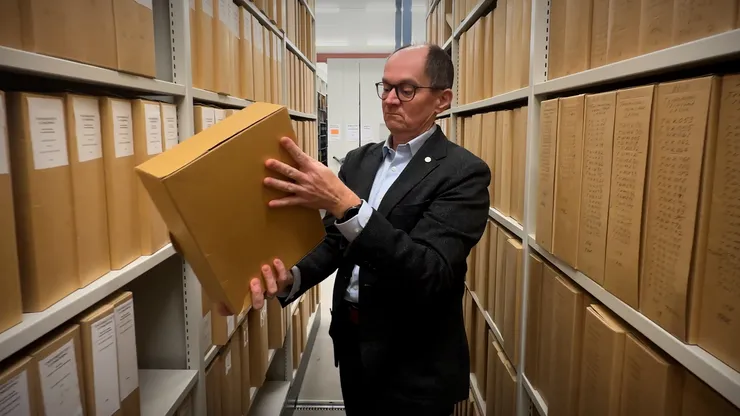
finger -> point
(282, 185)
(258, 296)
(269, 280)
(288, 201)
(282, 274)
(295, 152)
(222, 309)
(285, 169)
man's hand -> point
(277, 280)
(314, 185)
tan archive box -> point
(499, 305)
(598, 137)
(578, 15)
(222, 327)
(518, 163)
(19, 388)
(545, 354)
(230, 154)
(231, 378)
(599, 33)
(205, 117)
(652, 382)
(694, 20)
(10, 24)
(100, 361)
(297, 342)
(489, 155)
(629, 164)
(116, 119)
(147, 117)
(700, 399)
(10, 284)
(513, 286)
(42, 188)
(85, 147)
(245, 386)
(305, 315)
(505, 403)
(492, 268)
(556, 42)
(623, 35)
(546, 175)
(128, 364)
(499, 48)
(656, 25)
(675, 232)
(534, 309)
(568, 169)
(275, 324)
(267, 64)
(58, 367)
(492, 363)
(258, 61)
(221, 53)
(194, 43)
(258, 350)
(502, 167)
(134, 23)
(481, 349)
(717, 328)
(214, 382)
(481, 268)
(246, 64)
(513, 44)
(203, 77)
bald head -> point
(438, 66)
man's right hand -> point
(277, 280)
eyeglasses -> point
(405, 92)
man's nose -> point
(392, 97)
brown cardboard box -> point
(651, 381)
(42, 188)
(305, 315)
(547, 160)
(631, 134)
(10, 284)
(624, 30)
(481, 267)
(231, 378)
(214, 385)
(600, 33)
(258, 61)
(534, 309)
(525, 40)
(471, 262)
(257, 321)
(603, 362)
(695, 19)
(48, 28)
(203, 77)
(568, 179)
(221, 51)
(489, 156)
(275, 324)
(170, 135)
(488, 56)
(492, 268)
(274, 67)
(147, 120)
(518, 163)
(674, 239)
(492, 363)
(716, 328)
(545, 355)
(700, 399)
(206, 329)
(222, 327)
(513, 286)
(297, 341)
(235, 48)
(245, 55)
(58, 367)
(479, 31)
(505, 403)
(245, 385)
(100, 361)
(267, 64)
(598, 138)
(85, 149)
(10, 24)
(19, 387)
(128, 366)
(502, 166)
(556, 45)
(205, 117)
(481, 349)
(235, 148)
(499, 306)
(195, 64)
(513, 43)
(120, 189)
(578, 15)
(468, 318)
(656, 25)
(499, 48)
(134, 23)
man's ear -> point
(445, 100)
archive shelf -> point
(272, 398)
(491, 325)
(163, 391)
(310, 10)
(311, 322)
(507, 222)
(501, 99)
(478, 397)
(304, 116)
(448, 44)
(254, 390)
(474, 14)
(36, 325)
(291, 47)
(431, 7)
(219, 99)
(263, 19)
(536, 397)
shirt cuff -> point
(287, 296)
(351, 228)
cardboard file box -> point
(245, 381)
(19, 387)
(258, 351)
(231, 379)
(10, 24)
(100, 361)
(134, 23)
(128, 365)
(58, 367)
(214, 383)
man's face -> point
(406, 67)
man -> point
(401, 220)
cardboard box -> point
(492, 363)
(42, 188)
(243, 339)
(85, 147)
(471, 262)
(275, 324)
(297, 341)
(222, 327)
(700, 399)
(513, 44)
(694, 20)
(258, 60)
(499, 306)
(481, 268)
(235, 48)
(10, 24)
(600, 33)
(505, 403)
(10, 284)
(499, 48)
(170, 135)
(557, 45)
(147, 119)
(651, 383)
(203, 77)
(206, 329)
(245, 56)
(578, 15)
(547, 325)
(631, 134)
(489, 156)
(513, 286)
(502, 166)
(656, 25)
(195, 64)
(716, 327)
(492, 267)
(518, 163)
(267, 64)
(100, 361)
(598, 137)
(221, 52)
(236, 149)
(257, 321)
(469, 322)
(623, 37)
(481, 349)
(58, 367)
(231, 378)
(128, 364)
(533, 328)
(674, 240)
(47, 28)
(603, 362)
(305, 315)
(488, 56)
(547, 160)
(568, 170)
(19, 387)
(214, 385)
(134, 24)
(525, 40)
(205, 117)
(274, 68)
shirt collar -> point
(414, 145)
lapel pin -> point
(427, 159)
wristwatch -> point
(350, 213)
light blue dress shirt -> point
(394, 162)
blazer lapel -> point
(422, 164)
(368, 168)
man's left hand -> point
(314, 185)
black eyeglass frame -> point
(380, 91)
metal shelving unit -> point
(300, 115)
(478, 396)
(293, 48)
(509, 223)
(537, 399)
(209, 97)
(163, 391)
(499, 100)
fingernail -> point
(265, 269)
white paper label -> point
(48, 137)
(209, 117)
(208, 7)
(4, 163)
(153, 129)
(367, 133)
(228, 362)
(128, 365)
(223, 12)
(87, 128)
(230, 324)
(169, 116)
(105, 366)
(353, 132)
(207, 338)
(145, 3)
(263, 316)
(14, 397)
(245, 335)
(122, 129)
(218, 115)
(60, 386)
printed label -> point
(207, 338)
(230, 324)
(128, 366)
(223, 12)
(145, 3)
(14, 397)
(209, 117)
(105, 366)
(228, 362)
(48, 137)
(219, 115)
(87, 129)
(169, 118)
(207, 7)
(122, 133)
(60, 386)
(4, 162)
(153, 129)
